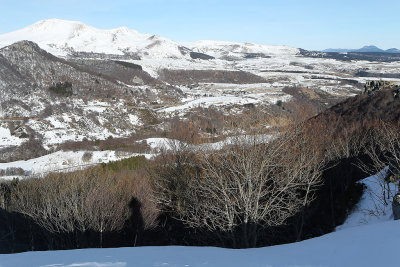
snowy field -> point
(65, 161)
(371, 245)
(366, 239)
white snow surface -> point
(371, 245)
(7, 139)
(372, 208)
(215, 48)
(219, 94)
(161, 143)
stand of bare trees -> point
(250, 185)
(95, 200)
(243, 195)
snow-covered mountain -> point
(220, 49)
(62, 37)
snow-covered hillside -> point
(220, 48)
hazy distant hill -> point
(365, 49)
(393, 50)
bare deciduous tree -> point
(383, 149)
(106, 204)
(247, 186)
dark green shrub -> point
(211, 130)
(129, 164)
(24, 135)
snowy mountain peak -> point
(60, 37)
(51, 23)
(70, 27)
(124, 29)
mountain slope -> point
(362, 109)
(28, 69)
(50, 100)
(221, 49)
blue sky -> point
(308, 24)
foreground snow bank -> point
(370, 245)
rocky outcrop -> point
(371, 86)
(202, 56)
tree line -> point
(257, 190)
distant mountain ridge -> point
(65, 38)
(365, 49)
